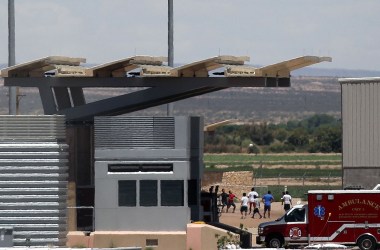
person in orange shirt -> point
(230, 201)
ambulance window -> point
(296, 215)
(319, 197)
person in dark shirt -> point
(224, 197)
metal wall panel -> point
(134, 132)
(361, 136)
(32, 127)
(33, 179)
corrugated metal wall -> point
(361, 131)
(33, 179)
(134, 132)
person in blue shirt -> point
(267, 200)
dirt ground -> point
(234, 219)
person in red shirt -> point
(230, 201)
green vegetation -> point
(296, 191)
(271, 159)
(224, 240)
(318, 133)
(292, 163)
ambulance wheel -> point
(367, 243)
(274, 241)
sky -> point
(268, 31)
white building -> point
(361, 131)
(147, 171)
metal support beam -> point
(62, 98)
(128, 82)
(132, 102)
(154, 91)
(77, 96)
(47, 99)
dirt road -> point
(234, 219)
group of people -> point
(251, 203)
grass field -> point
(288, 165)
(272, 159)
(296, 191)
(315, 168)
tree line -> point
(318, 133)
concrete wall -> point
(361, 131)
(203, 236)
(104, 239)
(196, 237)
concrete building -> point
(361, 131)
(144, 167)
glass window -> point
(127, 193)
(148, 193)
(297, 215)
(172, 193)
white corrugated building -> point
(361, 131)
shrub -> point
(253, 149)
(279, 147)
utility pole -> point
(12, 54)
(170, 47)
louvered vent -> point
(134, 132)
(29, 127)
(33, 179)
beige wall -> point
(77, 239)
(197, 237)
(106, 239)
(202, 236)
(237, 182)
(210, 178)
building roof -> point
(234, 66)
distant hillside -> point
(306, 96)
(309, 71)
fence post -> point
(279, 175)
(253, 174)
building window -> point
(172, 193)
(127, 193)
(148, 193)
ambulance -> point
(347, 217)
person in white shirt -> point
(256, 210)
(244, 206)
(252, 199)
(287, 200)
